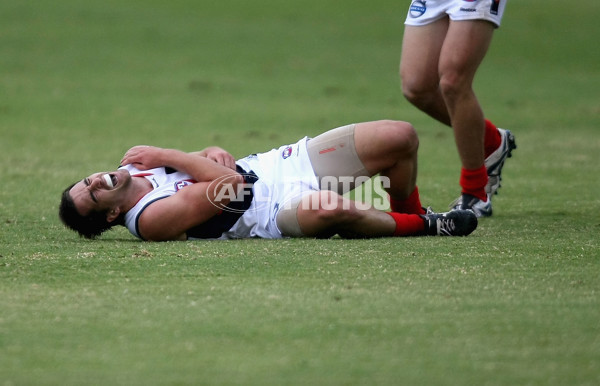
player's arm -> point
(170, 218)
(199, 168)
(217, 154)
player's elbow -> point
(237, 180)
(225, 189)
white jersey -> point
(278, 177)
(422, 12)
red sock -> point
(492, 139)
(407, 224)
(412, 204)
(473, 182)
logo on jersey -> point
(286, 152)
(417, 9)
(494, 7)
(463, 9)
(182, 184)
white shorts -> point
(284, 175)
(423, 12)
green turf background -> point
(80, 82)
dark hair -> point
(89, 226)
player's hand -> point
(218, 155)
(143, 157)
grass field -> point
(515, 303)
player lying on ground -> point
(293, 191)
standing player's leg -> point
(425, 61)
(464, 48)
(419, 68)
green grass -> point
(517, 302)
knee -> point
(399, 136)
(334, 210)
(453, 83)
(419, 94)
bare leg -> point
(389, 148)
(458, 64)
(385, 147)
(437, 70)
(326, 213)
(419, 68)
(439, 62)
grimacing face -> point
(100, 191)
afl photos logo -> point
(417, 9)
